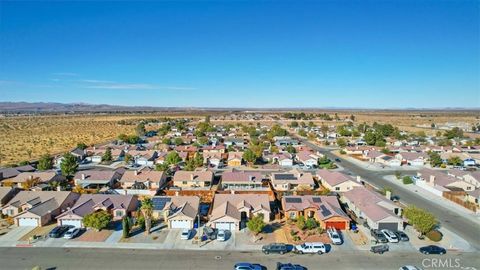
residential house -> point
(97, 178)
(232, 211)
(324, 209)
(388, 161)
(237, 142)
(467, 176)
(307, 158)
(179, 212)
(235, 180)
(144, 158)
(6, 194)
(214, 149)
(95, 154)
(38, 208)
(37, 178)
(6, 173)
(234, 159)
(213, 159)
(118, 206)
(193, 180)
(337, 181)
(373, 209)
(283, 159)
(144, 179)
(412, 158)
(292, 180)
(372, 155)
(438, 182)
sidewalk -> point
(437, 199)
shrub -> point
(301, 223)
(434, 235)
(320, 230)
(296, 238)
(293, 233)
(311, 224)
(140, 222)
(398, 175)
(256, 224)
(343, 152)
(407, 180)
(97, 220)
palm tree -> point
(147, 211)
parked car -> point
(380, 249)
(432, 249)
(334, 236)
(391, 237)
(409, 267)
(209, 233)
(289, 266)
(248, 266)
(275, 248)
(338, 160)
(378, 236)
(72, 233)
(314, 247)
(222, 235)
(186, 233)
(58, 231)
(402, 236)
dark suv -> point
(275, 248)
(378, 235)
(58, 231)
(289, 266)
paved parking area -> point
(16, 233)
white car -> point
(409, 267)
(334, 236)
(186, 234)
(312, 247)
(222, 235)
(72, 233)
(391, 236)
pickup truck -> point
(378, 236)
(380, 249)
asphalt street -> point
(61, 258)
(448, 218)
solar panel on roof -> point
(285, 177)
(293, 200)
(325, 211)
(317, 199)
(160, 202)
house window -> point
(184, 182)
(337, 188)
(293, 215)
(10, 212)
(207, 184)
(119, 213)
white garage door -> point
(180, 224)
(225, 226)
(28, 222)
(72, 222)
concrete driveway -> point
(15, 234)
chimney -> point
(135, 172)
(176, 193)
(232, 191)
(359, 179)
(83, 176)
(388, 194)
(31, 177)
(432, 179)
(251, 177)
(192, 176)
(94, 148)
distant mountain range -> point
(53, 107)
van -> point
(309, 248)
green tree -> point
(178, 141)
(421, 220)
(455, 161)
(249, 156)
(126, 227)
(45, 163)
(161, 167)
(147, 211)
(302, 133)
(256, 224)
(407, 180)
(140, 130)
(454, 133)
(311, 223)
(69, 165)
(172, 158)
(435, 159)
(341, 142)
(128, 158)
(98, 220)
(293, 124)
(82, 146)
(107, 156)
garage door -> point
(225, 226)
(28, 222)
(388, 226)
(72, 222)
(339, 225)
(180, 224)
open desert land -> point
(29, 137)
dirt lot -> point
(94, 236)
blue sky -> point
(377, 54)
